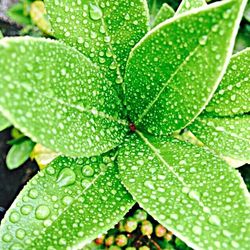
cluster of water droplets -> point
(188, 190)
(67, 92)
(104, 31)
(178, 74)
(65, 204)
(232, 95)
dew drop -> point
(42, 212)
(149, 185)
(95, 12)
(194, 195)
(215, 220)
(33, 193)
(20, 233)
(67, 200)
(7, 237)
(14, 217)
(88, 171)
(203, 40)
(66, 177)
(26, 209)
(197, 230)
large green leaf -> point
(57, 97)
(174, 70)
(232, 95)
(3, 123)
(189, 190)
(187, 5)
(164, 13)
(105, 31)
(228, 136)
(66, 205)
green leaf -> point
(59, 98)
(19, 153)
(164, 13)
(174, 70)
(1, 34)
(105, 31)
(16, 14)
(3, 123)
(65, 206)
(192, 192)
(247, 12)
(232, 95)
(187, 5)
(228, 136)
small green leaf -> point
(192, 192)
(3, 123)
(105, 30)
(232, 95)
(16, 14)
(187, 5)
(19, 153)
(164, 13)
(65, 206)
(58, 98)
(174, 70)
(247, 12)
(228, 136)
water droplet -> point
(85, 183)
(197, 230)
(195, 195)
(20, 233)
(149, 185)
(7, 237)
(88, 171)
(33, 193)
(42, 212)
(14, 217)
(67, 200)
(16, 246)
(66, 177)
(95, 12)
(215, 220)
(203, 40)
(26, 209)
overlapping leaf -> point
(228, 136)
(66, 205)
(164, 13)
(189, 190)
(187, 5)
(56, 96)
(173, 72)
(232, 95)
(105, 31)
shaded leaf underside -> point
(65, 206)
(187, 189)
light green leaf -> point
(187, 5)
(232, 95)
(247, 12)
(192, 192)
(19, 153)
(164, 13)
(17, 14)
(105, 30)
(228, 136)
(65, 206)
(4, 123)
(57, 97)
(174, 70)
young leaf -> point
(187, 5)
(232, 95)
(105, 30)
(228, 136)
(66, 205)
(164, 13)
(190, 191)
(3, 123)
(174, 70)
(19, 153)
(17, 14)
(57, 97)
